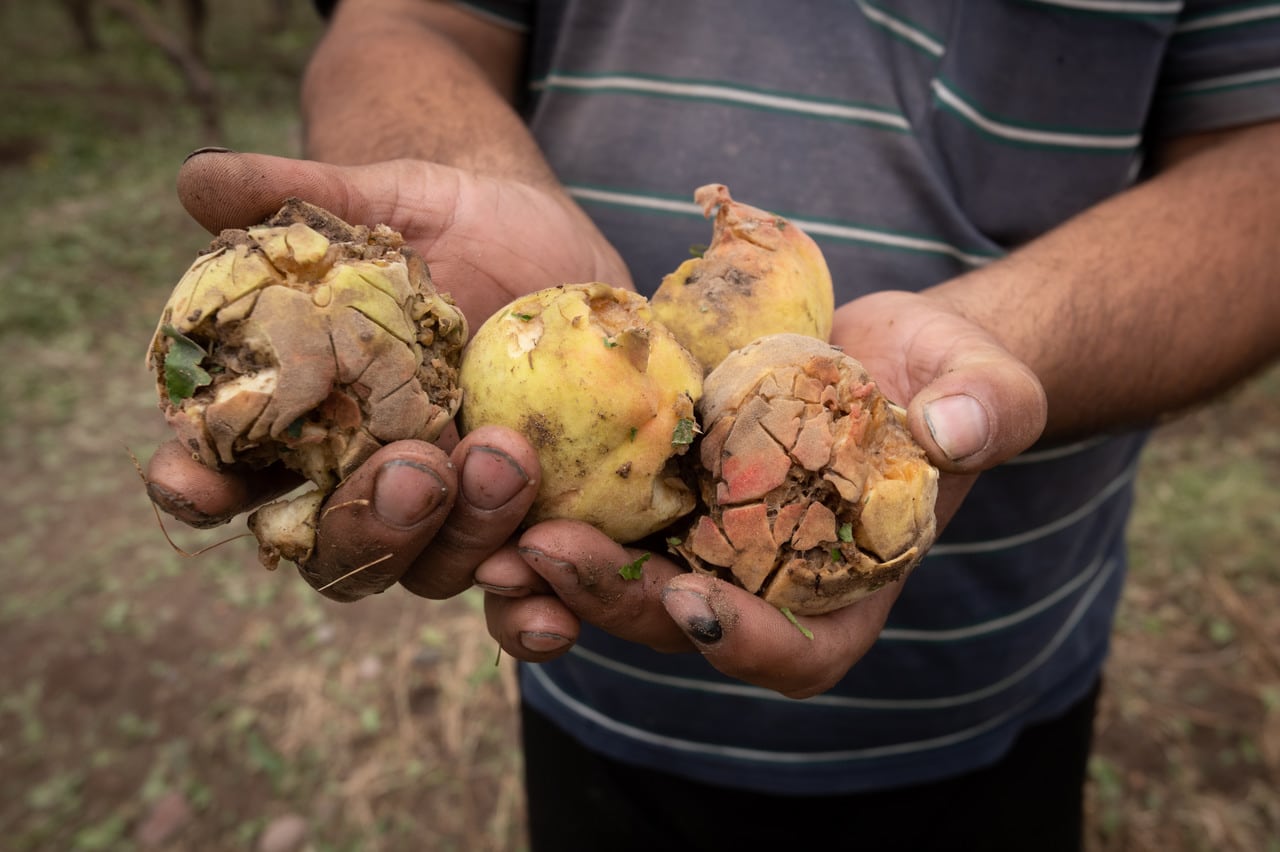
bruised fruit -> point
(760, 275)
(816, 493)
(605, 395)
(310, 343)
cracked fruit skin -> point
(760, 275)
(317, 342)
(606, 396)
(816, 493)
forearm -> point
(1153, 301)
(416, 79)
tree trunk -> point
(201, 89)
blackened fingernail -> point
(490, 478)
(541, 642)
(406, 492)
(692, 612)
(208, 149)
(182, 508)
(557, 572)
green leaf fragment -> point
(522, 317)
(634, 432)
(610, 343)
(684, 431)
(697, 250)
(632, 571)
(674, 542)
(182, 371)
(808, 634)
(836, 555)
(846, 532)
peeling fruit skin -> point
(816, 493)
(323, 342)
(605, 394)
(760, 275)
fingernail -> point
(564, 574)
(406, 492)
(490, 478)
(692, 612)
(542, 643)
(505, 591)
(959, 425)
(182, 508)
(208, 149)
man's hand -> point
(970, 404)
(438, 513)
(486, 239)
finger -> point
(748, 639)
(507, 575)
(374, 525)
(971, 404)
(533, 629)
(227, 189)
(203, 497)
(984, 408)
(498, 474)
(422, 201)
(582, 565)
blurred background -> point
(150, 701)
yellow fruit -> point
(760, 275)
(310, 343)
(605, 394)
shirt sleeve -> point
(515, 14)
(1222, 68)
(509, 13)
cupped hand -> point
(969, 403)
(486, 240)
(432, 512)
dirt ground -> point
(156, 702)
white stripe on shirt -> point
(829, 229)
(1015, 133)
(744, 690)
(696, 90)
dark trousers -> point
(1032, 800)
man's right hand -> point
(437, 510)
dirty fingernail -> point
(406, 492)
(557, 572)
(692, 612)
(208, 149)
(542, 643)
(505, 591)
(182, 508)
(490, 478)
(959, 424)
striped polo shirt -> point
(914, 140)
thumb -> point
(972, 403)
(983, 407)
(226, 189)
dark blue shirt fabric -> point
(915, 140)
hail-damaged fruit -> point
(760, 275)
(816, 493)
(310, 343)
(606, 396)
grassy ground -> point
(148, 701)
